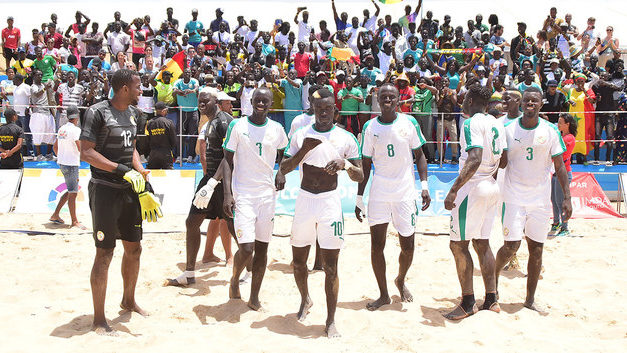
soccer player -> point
(250, 191)
(391, 142)
(320, 150)
(473, 199)
(534, 146)
(209, 195)
(118, 195)
(511, 102)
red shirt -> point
(10, 37)
(58, 39)
(301, 63)
(405, 94)
(336, 89)
(569, 141)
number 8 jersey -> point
(114, 133)
(485, 132)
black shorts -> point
(9, 53)
(115, 213)
(215, 208)
(160, 159)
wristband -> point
(347, 164)
(424, 184)
(359, 198)
(121, 169)
(212, 183)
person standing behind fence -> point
(162, 139)
(186, 92)
(67, 148)
(11, 137)
(41, 121)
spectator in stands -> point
(41, 120)
(11, 39)
(186, 93)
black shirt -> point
(9, 135)
(554, 103)
(114, 133)
(215, 134)
(161, 134)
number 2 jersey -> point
(391, 148)
(255, 149)
(113, 131)
(486, 132)
(529, 161)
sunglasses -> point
(609, 30)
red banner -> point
(589, 200)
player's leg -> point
(303, 237)
(263, 226)
(244, 221)
(513, 226)
(260, 260)
(98, 279)
(192, 239)
(487, 265)
(331, 288)
(301, 274)
(536, 229)
(486, 208)
(225, 237)
(213, 229)
(377, 245)
(404, 216)
(317, 258)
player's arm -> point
(562, 177)
(360, 209)
(202, 146)
(279, 179)
(94, 158)
(470, 168)
(229, 202)
(421, 165)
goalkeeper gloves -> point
(150, 206)
(201, 200)
(133, 177)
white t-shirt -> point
(246, 100)
(391, 148)
(68, 151)
(485, 132)
(281, 39)
(249, 38)
(529, 161)
(299, 121)
(21, 99)
(505, 119)
(304, 29)
(352, 41)
(371, 24)
(224, 38)
(117, 41)
(242, 31)
(336, 143)
(384, 62)
(254, 147)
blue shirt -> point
(193, 27)
(372, 74)
(105, 66)
(189, 102)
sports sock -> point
(490, 298)
(468, 301)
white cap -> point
(340, 72)
(224, 97)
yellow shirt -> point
(23, 67)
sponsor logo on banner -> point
(588, 199)
(56, 193)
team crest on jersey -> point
(505, 231)
(100, 235)
(403, 133)
(541, 140)
(239, 233)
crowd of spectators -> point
(432, 62)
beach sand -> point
(45, 303)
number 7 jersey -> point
(529, 162)
(486, 132)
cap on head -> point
(222, 96)
(72, 112)
(10, 18)
(552, 83)
(160, 106)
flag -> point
(342, 54)
(175, 65)
(455, 51)
(390, 1)
(583, 112)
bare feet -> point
(530, 304)
(78, 225)
(406, 296)
(254, 304)
(304, 309)
(133, 307)
(103, 329)
(229, 262)
(493, 307)
(210, 258)
(372, 306)
(332, 331)
(459, 313)
(234, 289)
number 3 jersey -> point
(390, 146)
(529, 161)
(255, 148)
(486, 132)
(113, 131)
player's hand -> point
(229, 205)
(202, 197)
(426, 199)
(309, 143)
(334, 165)
(144, 173)
(279, 181)
(360, 209)
(567, 210)
(136, 180)
(449, 201)
(150, 206)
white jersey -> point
(530, 158)
(505, 119)
(336, 143)
(255, 148)
(300, 121)
(390, 146)
(485, 132)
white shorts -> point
(318, 216)
(475, 208)
(254, 219)
(42, 127)
(402, 214)
(531, 221)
